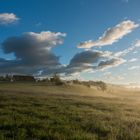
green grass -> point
(40, 112)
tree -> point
(101, 85)
(56, 80)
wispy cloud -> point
(125, 1)
(133, 60)
(134, 67)
(38, 24)
(7, 18)
(111, 35)
(129, 49)
(135, 52)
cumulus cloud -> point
(83, 61)
(86, 58)
(111, 35)
(7, 18)
(32, 51)
(92, 61)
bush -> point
(6, 78)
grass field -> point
(40, 112)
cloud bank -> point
(33, 53)
(7, 18)
(112, 35)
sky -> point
(83, 39)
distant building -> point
(24, 78)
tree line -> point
(54, 80)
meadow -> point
(33, 111)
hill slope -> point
(41, 112)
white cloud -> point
(133, 60)
(112, 35)
(134, 67)
(129, 49)
(120, 77)
(46, 39)
(135, 52)
(107, 73)
(137, 44)
(7, 18)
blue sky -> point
(81, 20)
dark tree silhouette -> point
(56, 80)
